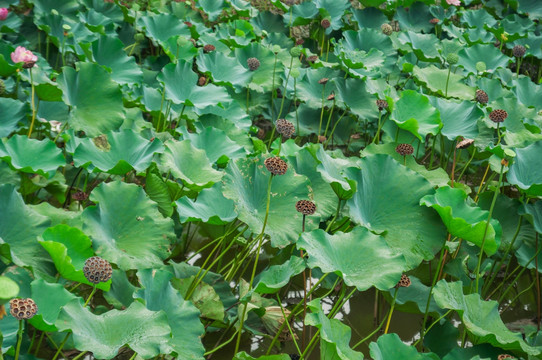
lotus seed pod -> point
(202, 80)
(331, 96)
(276, 49)
(22, 309)
(519, 51)
(498, 115)
(465, 143)
(404, 282)
(381, 104)
(253, 63)
(2, 87)
(305, 207)
(322, 139)
(325, 23)
(276, 165)
(505, 356)
(504, 162)
(312, 58)
(97, 270)
(481, 66)
(481, 96)
(295, 51)
(404, 149)
(285, 128)
(386, 29)
(139, 37)
(323, 81)
(434, 21)
(295, 73)
(79, 196)
(452, 58)
(208, 48)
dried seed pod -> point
(253, 63)
(322, 139)
(285, 128)
(505, 356)
(79, 196)
(465, 143)
(498, 115)
(481, 96)
(312, 58)
(519, 51)
(404, 149)
(202, 80)
(382, 104)
(404, 282)
(325, 23)
(276, 165)
(386, 29)
(22, 309)
(97, 270)
(434, 21)
(305, 207)
(323, 81)
(208, 48)
(331, 96)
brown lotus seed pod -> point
(505, 356)
(323, 81)
(22, 309)
(202, 80)
(404, 149)
(305, 207)
(253, 63)
(299, 41)
(386, 29)
(285, 128)
(312, 58)
(404, 282)
(322, 139)
(382, 104)
(325, 23)
(504, 162)
(481, 96)
(465, 143)
(519, 51)
(498, 115)
(208, 48)
(97, 270)
(276, 165)
(331, 96)
(79, 196)
(434, 21)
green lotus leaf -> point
(390, 347)
(218, 147)
(244, 356)
(531, 7)
(246, 183)
(480, 317)
(310, 91)
(108, 51)
(20, 227)
(121, 293)
(8, 327)
(95, 109)
(436, 79)
(116, 152)
(189, 164)
(352, 94)
(210, 207)
(158, 190)
(486, 53)
(529, 245)
(8, 289)
(527, 92)
(369, 17)
(413, 231)
(524, 171)
(181, 315)
(161, 27)
(464, 220)
(50, 298)
(333, 170)
(69, 248)
(415, 18)
(413, 298)
(414, 113)
(204, 298)
(224, 69)
(334, 335)
(262, 78)
(360, 257)
(144, 331)
(478, 18)
(126, 227)
(514, 24)
(275, 277)
(425, 46)
(180, 81)
(32, 155)
(13, 112)
(458, 118)
(213, 8)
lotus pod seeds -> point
(312, 58)
(97, 270)
(295, 51)
(325, 23)
(295, 73)
(519, 51)
(253, 63)
(323, 81)
(404, 149)
(452, 58)
(285, 128)
(305, 207)
(498, 115)
(386, 29)
(481, 96)
(404, 282)
(465, 143)
(22, 309)
(331, 96)
(381, 104)
(505, 356)
(434, 21)
(208, 48)
(276, 165)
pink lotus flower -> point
(453, 2)
(25, 56)
(3, 13)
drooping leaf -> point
(524, 171)
(211, 207)
(49, 306)
(444, 84)
(204, 298)
(108, 51)
(31, 155)
(272, 279)
(13, 111)
(390, 347)
(414, 113)
(458, 118)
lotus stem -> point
(80, 355)
(59, 350)
(537, 275)
(288, 324)
(32, 101)
(39, 343)
(329, 118)
(19, 340)
(391, 311)
(322, 111)
(447, 80)
(433, 283)
(90, 296)
(431, 326)
(375, 140)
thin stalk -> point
(537, 287)
(334, 127)
(39, 343)
(133, 356)
(336, 215)
(453, 167)
(433, 283)
(497, 190)
(518, 65)
(517, 276)
(285, 87)
(80, 355)
(61, 346)
(329, 118)
(273, 91)
(432, 152)
(298, 130)
(431, 326)
(322, 111)
(467, 165)
(33, 93)
(19, 340)
(447, 80)
(481, 182)
(375, 139)
(391, 311)
(161, 107)
(517, 297)
(323, 42)
(288, 324)
(372, 333)
(90, 296)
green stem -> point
(467, 165)
(497, 190)
(288, 324)
(39, 344)
(373, 332)
(133, 356)
(334, 127)
(433, 283)
(375, 139)
(431, 326)
(285, 87)
(329, 118)
(80, 355)
(391, 311)
(322, 111)
(19, 340)
(335, 217)
(61, 346)
(32, 102)
(161, 107)
(90, 296)
(448, 79)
